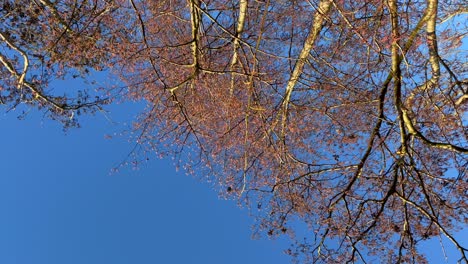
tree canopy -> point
(348, 116)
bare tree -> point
(349, 116)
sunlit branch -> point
(239, 28)
(463, 11)
(195, 19)
(396, 73)
(8, 65)
(55, 13)
(413, 131)
(36, 92)
(233, 36)
(432, 41)
(319, 18)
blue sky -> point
(59, 203)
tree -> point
(349, 116)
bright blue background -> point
(59, 203)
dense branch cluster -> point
(350, 116)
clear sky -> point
(59, 203)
